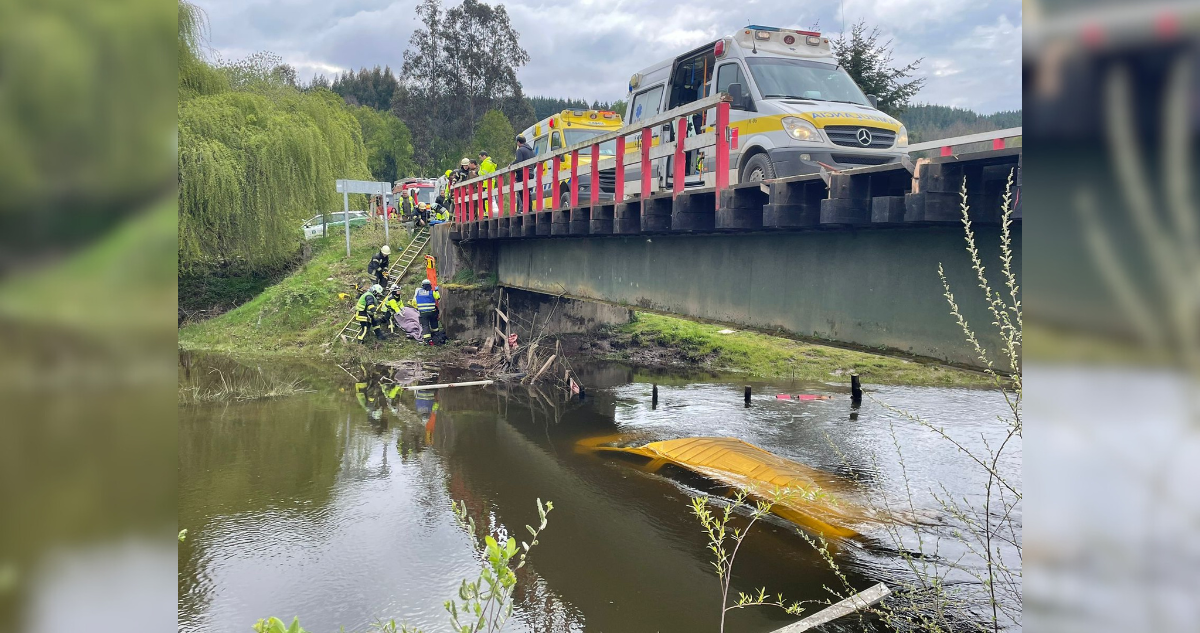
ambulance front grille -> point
(848, 136)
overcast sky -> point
(589, 48)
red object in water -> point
(783, 396)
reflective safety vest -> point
(366, 301)
(442, 215)
(426, 300)
(390, 304)
(487, 166)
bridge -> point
(850, 257)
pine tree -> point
(869, 62)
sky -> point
(970, 49)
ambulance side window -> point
(539, 146)
(646, 104)
(556, 141)
(731, 74)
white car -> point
(312, 226)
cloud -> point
(589, 48)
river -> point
(337, 509)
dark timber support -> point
(602, 217)
(581, 220)
(656, 213)
(855, 389)
(544, 221)
(795, 203)
(742, 208)
(694, 211)
(628, 217)
(654, 396)
(561, 222)
(747, 395)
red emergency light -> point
(719, 49)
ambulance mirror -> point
(736, 97)
(874, 101)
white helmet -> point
(377, 289)
(386, 250)
(425, 283)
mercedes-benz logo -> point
(864, 136)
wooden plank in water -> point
(858, 601)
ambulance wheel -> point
(758, 168)
(564, 200)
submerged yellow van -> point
(568, 128)
(794, 109)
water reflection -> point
(335, 505)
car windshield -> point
(801, 79)
(607, 148)
(424, 194)
(334, 217)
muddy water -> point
(337, 508)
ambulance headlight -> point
(902, 137)
(801, 130)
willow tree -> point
(256, 157)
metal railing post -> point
(680, 157)
(537, 184)
(619, 192)
(554, 199)
(645, 162)
(595, 189)
(512, 193)
(721, 181)
(575, 178)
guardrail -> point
(468, 196)
(947, 145)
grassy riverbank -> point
(303, 313)
(657, 340)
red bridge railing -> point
(497, 189)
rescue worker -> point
(365, 313)
(442, 214)
(425, 301)
(443, 185)
(378, 266)
(487, 166)
(524, 153)
(464, 170)
(700, 162)
(407, 207)
(389, 308)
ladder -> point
(407, 258)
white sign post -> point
(347, 187)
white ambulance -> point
(794, 109)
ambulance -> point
(793, 108)
(568, 128)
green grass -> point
(303, 313)
(769, 356)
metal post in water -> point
(654, 397)
(855, 389)
(747, 396)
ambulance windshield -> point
(778, 77)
